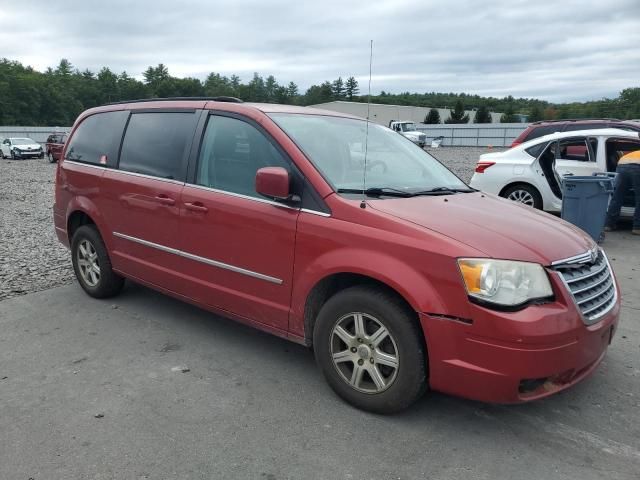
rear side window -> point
(157, 143)
(97, 139)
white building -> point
(383, 114)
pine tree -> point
(337, 89)
(351, 88)
(458, 114)
(433, 117)
(482, 115)
(292, 90)
(270, 88)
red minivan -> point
(343, 236)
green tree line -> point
(56, 96)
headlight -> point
(504, 282)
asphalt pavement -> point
(145, 386)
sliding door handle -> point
(196, 207)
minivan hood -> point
(497, 227)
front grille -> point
(591, 284)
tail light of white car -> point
(482, 166)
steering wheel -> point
(371, 164)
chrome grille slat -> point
(591, 284)
(584, 277)
(589, 287)
(608, 297)
(596, 295)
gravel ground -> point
(32, 259)
(461, 160)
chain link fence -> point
(474, 135)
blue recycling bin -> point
(585, 201)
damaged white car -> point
(532, 172)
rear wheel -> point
(525, 194)
(92, 265)
(370, 349)
(50, 157)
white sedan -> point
(531, 173)
(15, 148)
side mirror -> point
(273, 182)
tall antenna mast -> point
(363, 204)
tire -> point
(50, 157)
(397, 388)
(525, 194)
(88, 250)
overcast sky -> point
(554, 50)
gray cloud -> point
(560, 51)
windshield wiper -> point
(377, 192)
(444, 191)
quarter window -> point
(232, 152)
(97, 138)
(157, 143)
(536, 150)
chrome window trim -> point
(197, 258)
(315, 212)
(125, 172)
(151, 177)
(257, 199)
(201, 187)
(90, 165)
(240, 195)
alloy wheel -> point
(88, 263)
(364, 352)
(522, 196)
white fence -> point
(460, 135)
(474, 134)
(39, 134)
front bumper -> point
(527, 355)
(28, 153)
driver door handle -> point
(165, 200)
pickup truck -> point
(408, 130)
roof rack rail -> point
(211, 99)
(576, 120)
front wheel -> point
(525, 194)
(92, 265)
(371, 350)
(50, 157)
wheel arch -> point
(519, 182)
(82, 211)
(331, 284)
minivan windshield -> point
(336, 146)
